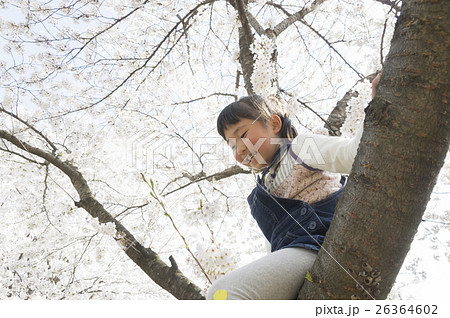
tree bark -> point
(246, 38)
(246, 60)
(245, 41)
(339, 113)
(403, 147)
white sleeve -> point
(329, 153)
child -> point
(295, 195)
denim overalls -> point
(279, 226)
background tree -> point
(106, 111)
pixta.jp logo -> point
(155, 152)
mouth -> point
(249, 158)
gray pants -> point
(278, 275)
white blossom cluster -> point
(215, 259)
(207, 213)
(264, 71)
(103, 228)
(355, 110)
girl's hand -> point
(375, 82)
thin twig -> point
(155, 196)
(309, 108)
(216, 176)
(2, 109)
(332, 47)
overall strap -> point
(274, 160)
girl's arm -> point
(335, 154)
(328, 153)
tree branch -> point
(331, 47)
(339, 113)
(205, 97)
(245, 41)
(147, 60)
(241, 8)
(392, 3)
(29, 126)
(283, 25)
(216, 176)
(327, 125)
(149, 261)
(254, 23)
(117, 21)
(22, 156)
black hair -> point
(256, 107)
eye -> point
(242, 136)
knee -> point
(227, 288)
(217, 291)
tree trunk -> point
(246, 60)
(405, 141)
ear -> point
(276, 123)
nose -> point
(241, 151)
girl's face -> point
(253, 143)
